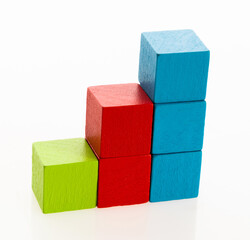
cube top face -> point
(124, 181)
(66, 151)
(117, 95)
(175, 176)
(173, 66)
(178, 127)
(175, 41)
(119, 122)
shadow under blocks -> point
(173, 71)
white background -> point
(50, 51)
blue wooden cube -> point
(175, 176)
(173, 66)
(178, 127)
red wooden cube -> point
(119, 120)
(124, 181)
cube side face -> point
(126, 130)
(178, 127)
(175, 176)
(124, 181)
(147, 68)
(70, 187)
(37, 177)
(93, 125)
(181, 77)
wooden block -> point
(124, 180)
(173, 66)
(178, 127)
(175, 176)
(119, 120)
(64, 175)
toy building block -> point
(173, 66)
(175, 176)
(124, 180)
(178, 127)
(119, 120)
(64, 175)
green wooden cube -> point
(64, 175)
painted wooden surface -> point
(178, 127)
(175, 176)
(173, 66)
(124, 181)
(64, 175)
(119, 120)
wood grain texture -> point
(175, 176)
(119, 120)
(124, 181)
(37, 176)
(173, 66)
(178, 127)
(64, 175)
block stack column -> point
(118, 129)
(173, 72)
